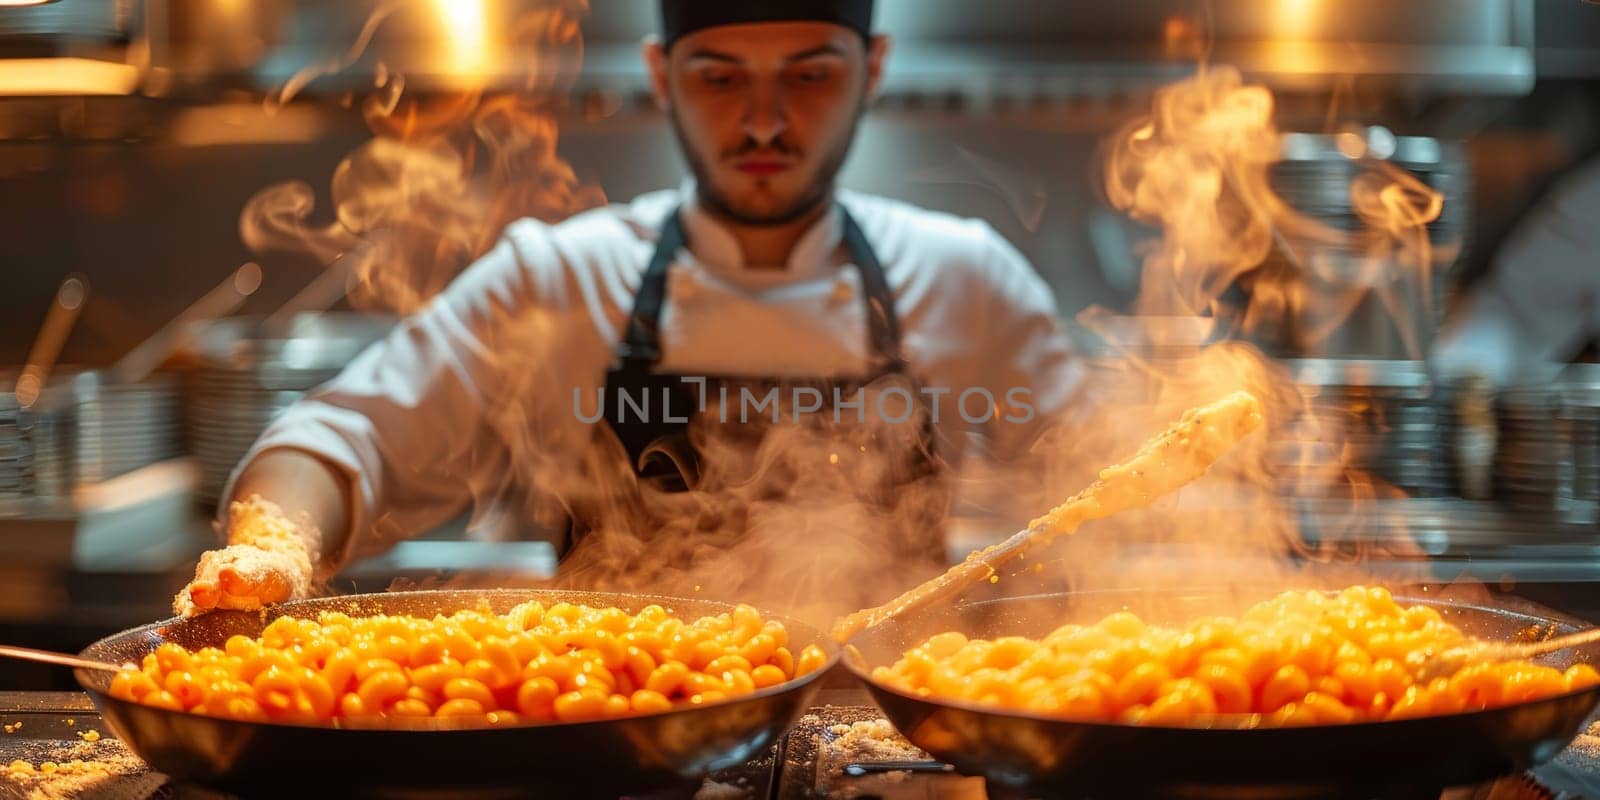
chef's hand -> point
(268, 561)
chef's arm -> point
(385, 451)
(417, 427)
(1033, 368)
(302, 483)
(286, 521)
(1030, 366)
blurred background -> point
(133, 134)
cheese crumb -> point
(871, 740)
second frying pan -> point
(1067, 758)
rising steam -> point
(806, 522)
(447, 168)
(1198, 166)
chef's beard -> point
(818, 193)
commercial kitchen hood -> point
(67, 47)
(1012, 49)
(1097, 48)
(60, 22)
(1018, 47)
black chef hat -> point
(682, 17)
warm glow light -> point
(1351, 145)
(466, 26)
(42, 76)
(1293, 57)
(215, 126)
(1295, 18)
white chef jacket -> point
(489, 374)
(1540, 302)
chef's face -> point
(766, 112)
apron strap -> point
(883, 324)
(642, 343)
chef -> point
(754, 356)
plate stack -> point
(1532, 468)
(1378, 417)
(84, 429)
(35, 467)
(245, 376)
(118, 428)
(1579, 417)
(1394, 305)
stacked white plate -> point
(35, 470)
(246, 376)
(1549, 453)
(118, 428)
(83, 429)
(1372, 415)
(1532, 466)
(1580, 420)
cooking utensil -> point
(593, 759)
(328, 287)
(52, 335)
(1166, 463)
(227, 296)
(871, 767)
(58, 659)
(1449, 662)
(1061, 757)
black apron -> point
(685, 434)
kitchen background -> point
(132, 135)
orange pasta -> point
(565, 663)
(1302, 658)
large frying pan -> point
(1062, 758)
(604, 759)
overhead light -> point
(466, 29)
(1296, 18)
(65, 76)
(14, 3)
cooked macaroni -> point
(565, 663)
(1302, 658)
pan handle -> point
(859, 769)
(59, 659)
